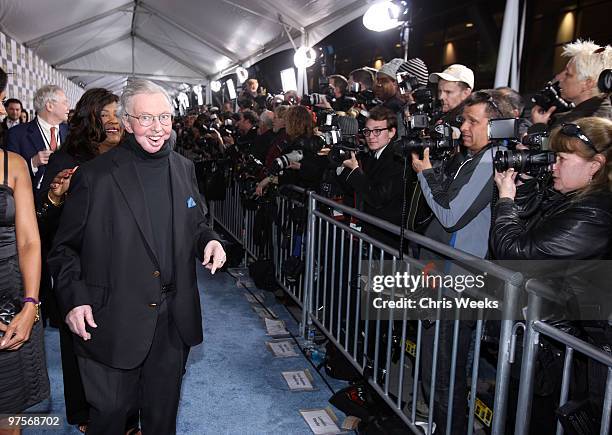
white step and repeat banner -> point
(27, 72)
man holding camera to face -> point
(461, 204)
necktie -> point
(53, 142)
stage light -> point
(231, 89)
(242, 74)
(304, 57)
(382, 16)
(215, 86)
(288, 80)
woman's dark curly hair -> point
(86, 127)
(3, 79)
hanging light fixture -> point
(382, 16)
(304, 57)
(242, 74)
(215, 86)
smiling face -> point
(152, 137)
(112, 126)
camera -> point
(503, 129)
(551, 96)
(407, 82)
(342, 152)
(536, 141)
(364, 97)
(439, 140)
(530, 162)
(281, 163)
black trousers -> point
(154, 387)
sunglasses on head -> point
(574, 130)
(489, 100)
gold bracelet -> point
(55, 204)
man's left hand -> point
(214, 256)
(351, 163)
(419, 165)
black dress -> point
(23, 373)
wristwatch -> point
(36, 304)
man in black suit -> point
(37, 139)
(13, 111)
(123, 260)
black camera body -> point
(551, 96)
(438, 139)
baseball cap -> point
(390, 68)
(417, 68)
(455, 73)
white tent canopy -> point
(103, 42)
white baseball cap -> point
(455, 73)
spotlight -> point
(242, 74)
(215, 86)
(382, 16)
(304, 57)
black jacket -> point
(571, 227)
(597, 106)
(104, 256)
(379, 187)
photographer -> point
(578, 82)
(461, 204)
(247, 128)
(455, 85)
(300, 163)
(377, 179)
(575, 223)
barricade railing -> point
(335, 255)
(539, 293)
(240, 223)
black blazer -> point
(103, 255)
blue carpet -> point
(233, 384)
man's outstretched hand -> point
(214, 256)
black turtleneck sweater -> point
(153, 171)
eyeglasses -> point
(146, 120)
(489, 100)
(574, 130)
(376, 131)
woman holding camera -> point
(577, 223)
(574, 223)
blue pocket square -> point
(190, 202)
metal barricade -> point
(335, 255)
(286, 235)
(535, 329)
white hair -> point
(45, 95)
(589, 64)
(138, 87)
(267, 118)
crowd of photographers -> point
(484, 171)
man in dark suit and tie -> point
(37, 139)
(123, 259)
